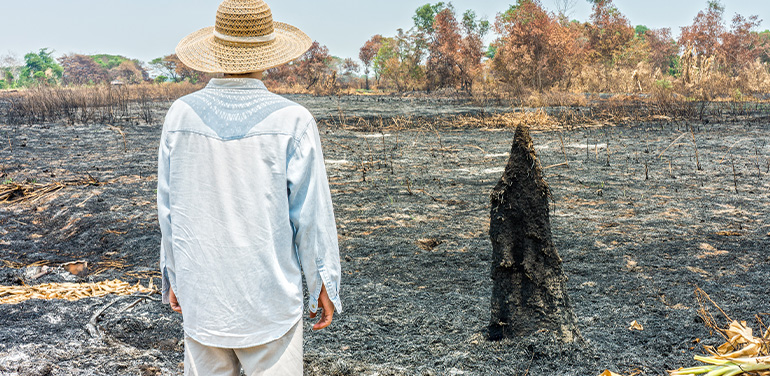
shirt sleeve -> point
(312, 216)
(164, 216)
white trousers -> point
(280, 357)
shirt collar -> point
(236, 83)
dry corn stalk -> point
(742, 353)
(70, 291)
(13, 192)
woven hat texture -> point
(244, 39)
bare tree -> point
(10, 64)
(565, 8)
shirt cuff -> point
(332, 290)
(166, 285)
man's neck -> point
(257, 75)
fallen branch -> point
(671, 144)
(556, 165)
(92, 327)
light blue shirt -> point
(244, 209)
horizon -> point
(89, 27)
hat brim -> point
(204, 52)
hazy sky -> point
(146, 29)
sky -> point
(146, 29)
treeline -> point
(41, 69)
(540, 51)
(535, 51)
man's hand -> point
(327, 310)
(175, 303)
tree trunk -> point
(528, 293)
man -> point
(244, 204)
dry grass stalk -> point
(84, 104)
(71, 291)
(538, 119)
(741, 354)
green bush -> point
(108, 61)
(663, 84)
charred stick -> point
(563, 151)
(735, 178)
(697, 158)
(670, 170)
(92, 327)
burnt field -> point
(642, 214)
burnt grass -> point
(637, 224)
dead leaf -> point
(428, 244)
(709, 250)
(696, 270)
(741, 343)
(635, 326)
(609, 373)
(78, 268)
(631, 265)
(147, 370)
(728, 233)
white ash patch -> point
(494, 170)
(590, 146)
(337, 161)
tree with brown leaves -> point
(472, 48)
(443, 65)
(368, 53)
(733, 48)
(82, 70)
(741, 46)
(129, 71)
(706, 30)
(534, 50)
(609, 31)
(313, 65)
(663, 49)
(348, 70)
(764, 46)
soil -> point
(637, 224)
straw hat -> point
(245, 39)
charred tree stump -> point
(528, 293)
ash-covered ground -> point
(637, 224)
